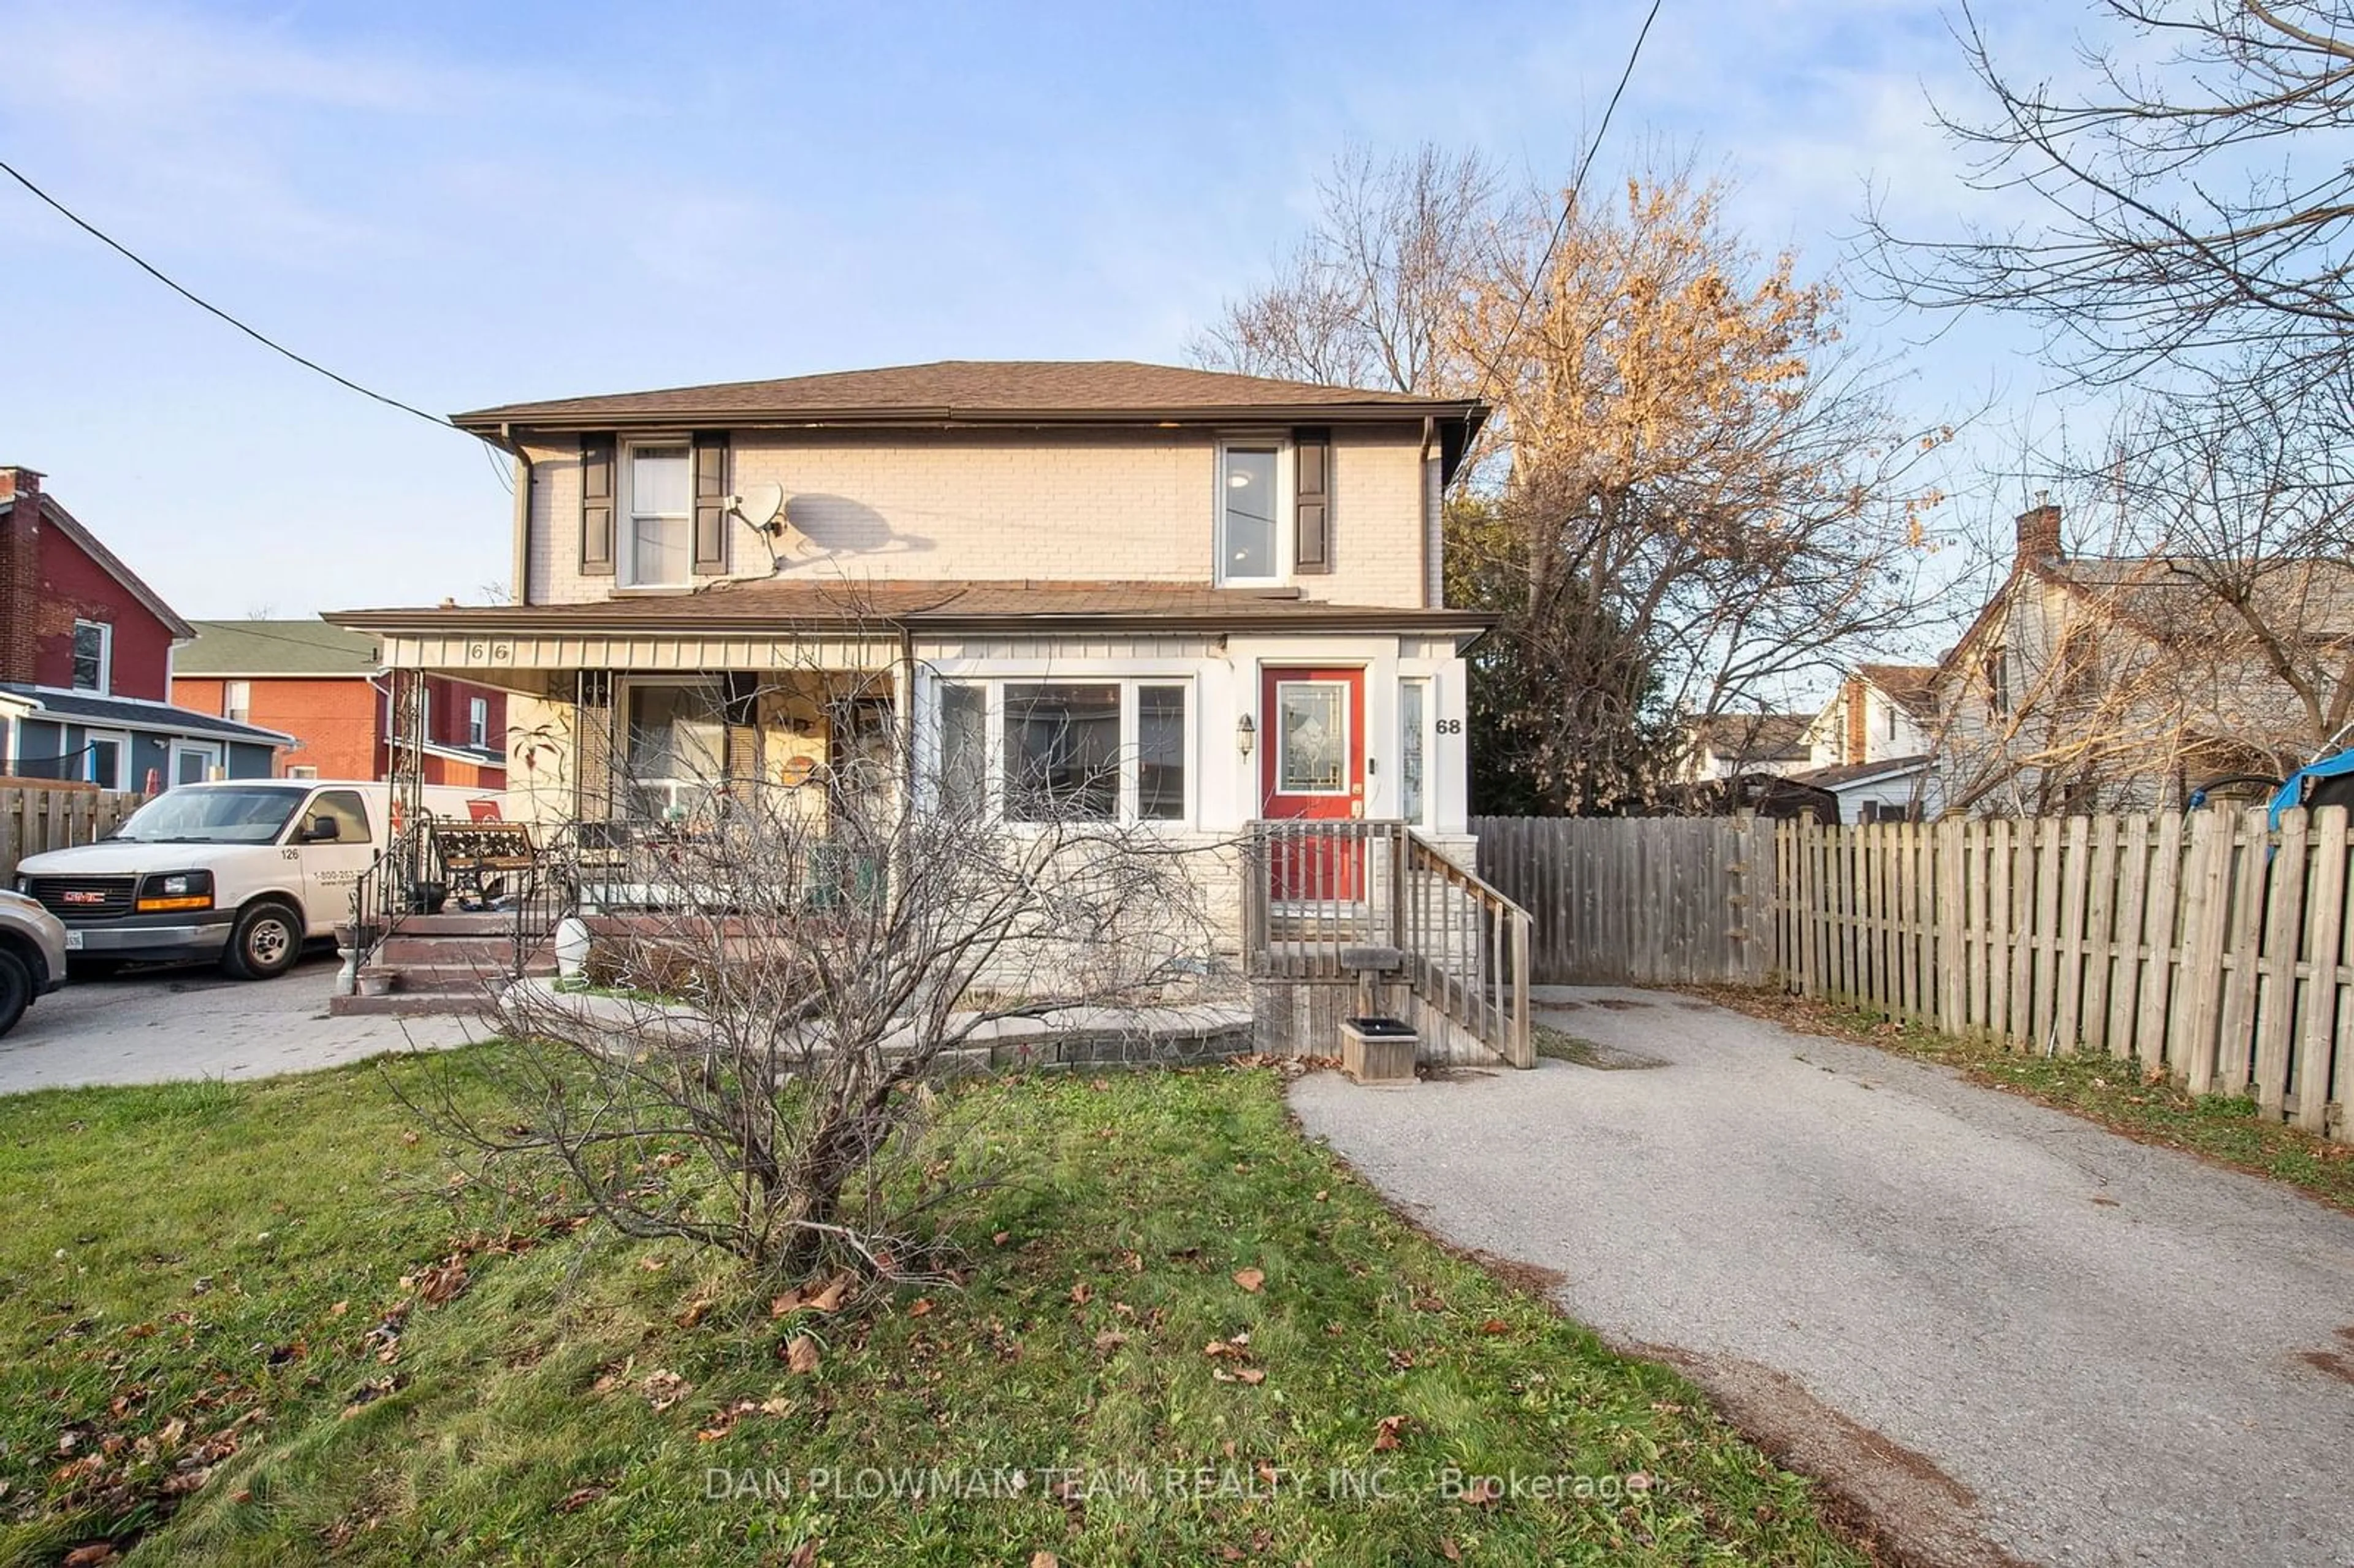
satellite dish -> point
(761, 506)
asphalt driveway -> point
(2005, 1333)
(193, 1021)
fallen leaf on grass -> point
(412, 1139)
(801, 1354)
(1484, 1491)
(1250, 1279)
(1428, 1304)
(805, 1554)
(921, 1306)
(1044, 1560)
(1082, 1293)
(94, 1555)
(694, 1313)
(663, 1388)
(441, 1282)
(1448, 1550)
(824, 1298)
(575, 1500)
(1385, 1433)
(1495, 1326)
(1110, 1340)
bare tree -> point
(2190, 207)
(1372, 296)
(807, 953)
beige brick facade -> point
(1088, 505)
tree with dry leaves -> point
(1694, 498)
(754, 1065)
(1711, 503)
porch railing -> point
(1317, 895)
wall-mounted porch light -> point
(1246, 735)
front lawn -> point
(263, 1322)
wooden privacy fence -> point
(35, 816)
(2206, 947)
(1638, 901)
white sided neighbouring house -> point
(1203, 603)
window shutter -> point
(710, 502)
(1311, 459)
(597, 506)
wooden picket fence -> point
(1643, 901)
(2206, 948)
(36, 816)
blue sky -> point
(462, 205)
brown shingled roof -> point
(1909, 686)
(983, 390)
(773, 604)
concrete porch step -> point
(404, 947)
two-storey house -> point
(85, 661)
(323, 685)
(1157, 595)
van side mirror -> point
(323, 831)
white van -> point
(246, 870)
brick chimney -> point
(20, 571)
(2039, 531)
(1856, 739)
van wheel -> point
(265, 944)
(15, 990)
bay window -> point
(1071, 750)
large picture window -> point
(1100, 751)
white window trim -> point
(210, 750)
(992, 687)
(625, 553)
(1429, 738)
(302, 771)
(231, 707)
(478, 721)
(1286, 510)
(105, 630)
(121, 739)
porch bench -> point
(471, 854)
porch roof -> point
(884, 608)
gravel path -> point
(2001, 1332)
(188, 1022)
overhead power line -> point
(1568, 206)
(208, 307)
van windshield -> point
(251, 815)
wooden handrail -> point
(1314, 888)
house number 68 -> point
(1450, 726)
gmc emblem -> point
(80, 895)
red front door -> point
(1313, 767)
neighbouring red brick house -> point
(320, 685)
(85, 663)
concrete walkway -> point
(196, 1023)
(2004, 1333)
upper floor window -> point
(1254, 512)
(237, 701)
(478, 721)
(94, 656)
(659, 544)
(1997, 679)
